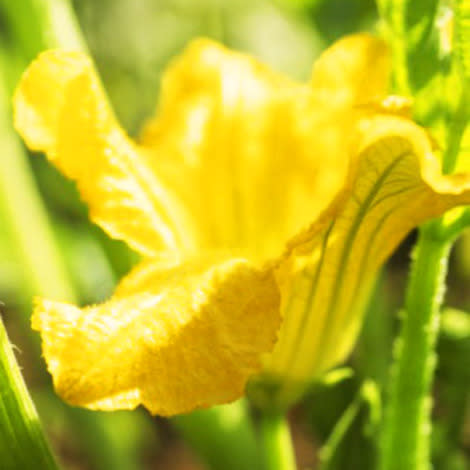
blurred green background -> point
(131, 42)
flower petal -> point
(188, 337)
(254, 156)
(60, 109)
(353, 71)
(395, 184)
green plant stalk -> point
(407, 428)
(277, 442)
(405, 440)
(22, 442)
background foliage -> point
(131, 43)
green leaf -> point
(22, 442)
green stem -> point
(407, 428)
(22, 443)
(277, 442)
(341, 427)
(222, 436)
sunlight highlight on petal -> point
(253, 155)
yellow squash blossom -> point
(262, 209)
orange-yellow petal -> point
(60, 109)
(189, 337)
(394, 185)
